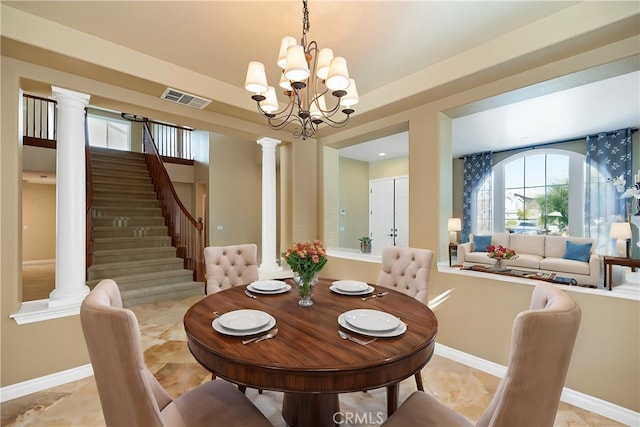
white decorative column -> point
(70, 199)
(268, 266)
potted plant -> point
(365, 244)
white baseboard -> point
(43, 383)
(572, 397)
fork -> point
(250, 295)
(346, 336)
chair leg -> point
(419, 382)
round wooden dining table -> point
(307, 359)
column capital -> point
(61, 94)
(268, 142)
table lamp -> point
(621, 231)
(454, 225)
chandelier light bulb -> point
(270, 104)
(324, 62)
(351, 98)
(256, 80)
(284, 45)
(296, 68)
(338, 78)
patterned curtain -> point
(608, 158)
(476, 168)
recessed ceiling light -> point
(382, 154)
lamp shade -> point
(620, 230)
(455, 224)
(338, 78)
(282, 54)
(270, 104)
(296, 68)
(351, 98)
(324, 62)
(256, 80)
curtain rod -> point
(546, 144)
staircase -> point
(131, 241)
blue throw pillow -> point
(577, 251)
(480, 243)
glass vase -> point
(305, 283)
(500, 264)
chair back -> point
(406, 270)
(129, 394)
(229, 266)
(541, 345)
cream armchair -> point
(129, 393)
(529, 394)
(228, 266)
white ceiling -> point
(602, 106)
(383, 42)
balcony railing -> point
(39, 121)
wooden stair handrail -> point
(184, 229)
(89, 196)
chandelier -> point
(309, 74)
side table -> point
(610, 261)
(453, 247)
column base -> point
(271, 272)
(60, 299)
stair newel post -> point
(199, 271)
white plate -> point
(268, 285)
(371, 320)
(282, 290)
(351, 286)
(244, 320)
(339, 291)
(219, 328)
(401, 329)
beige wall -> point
(38, 222)
(390, 168)
(353, 202)
(235, 191)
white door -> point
(389, 213)
(380, 214)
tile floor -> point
(76, 404)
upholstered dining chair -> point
(529, 394)
(407, 270)
(129, 393)
(229, 266)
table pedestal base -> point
(313, 410)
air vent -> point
(184, 98)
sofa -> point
(565, 256)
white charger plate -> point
(371, 320)
(401, 329)
(282, 290)
(244, 320)
(339, 291)
(221, 329)
(351, 286)
(268, 285)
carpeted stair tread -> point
(132, 281)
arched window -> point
(531, 193)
